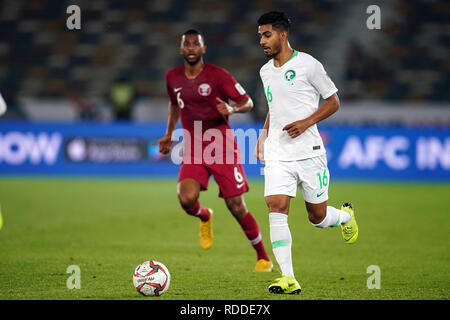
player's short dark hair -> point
(277, 19)
(196, 32)
(192, 31)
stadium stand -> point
(41, 58)
(411, 63)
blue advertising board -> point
(125, 149)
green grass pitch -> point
(107, 227)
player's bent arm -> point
(330, 106)
(174, 115)
(243, 106)
(166, 142)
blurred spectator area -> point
(40, 59)
(409, 61)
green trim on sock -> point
(337, 223)
(280, 243)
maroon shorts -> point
(229, 177)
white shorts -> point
(311, 176)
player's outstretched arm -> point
(165, 143)
(245, 105)
(330, 106)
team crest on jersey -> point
(204, 89)
(289, 75)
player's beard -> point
(275, 51)
(192, 62)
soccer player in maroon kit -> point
(199, 93)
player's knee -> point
(236, 207)
(278, 206)
(187, 199)
(316, 217)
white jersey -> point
(292, 92)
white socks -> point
(333, 218)
(281, 239)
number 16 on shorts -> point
(322, 182)
(323, 179)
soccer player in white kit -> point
(290, 144)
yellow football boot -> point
(285, 285)
(206, 232)
(349, 229)
(263, 265)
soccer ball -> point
(151, 278)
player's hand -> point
(164, 144)
(223, 107)
(296, 128)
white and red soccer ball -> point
(151, 278)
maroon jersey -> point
(196, 100)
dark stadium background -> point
(394, 77)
